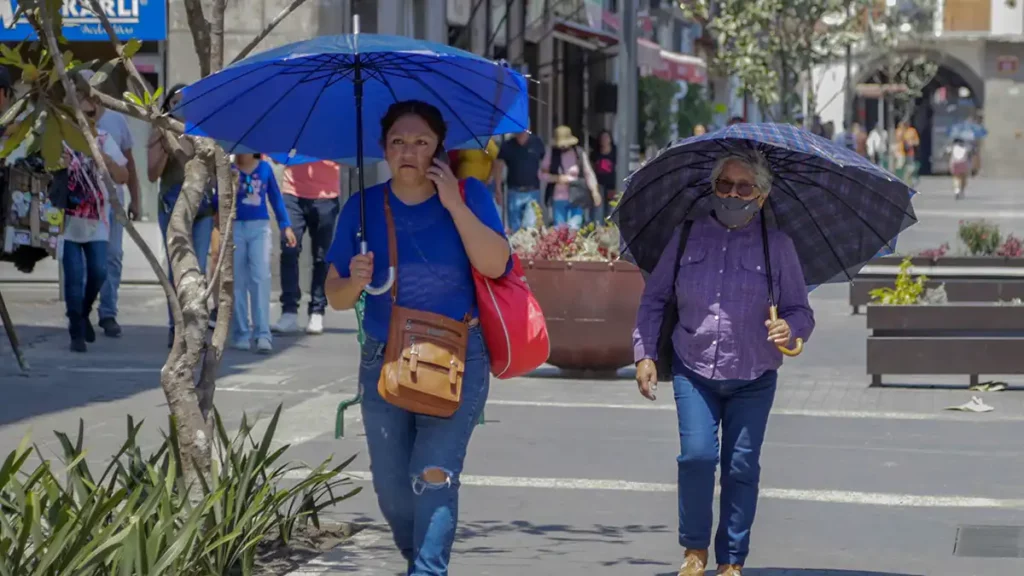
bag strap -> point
(392, 242)
(684, 235)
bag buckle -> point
(414, 354)
(453, 371)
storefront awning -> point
(583, 35)
(654, 60)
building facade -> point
(978, 46)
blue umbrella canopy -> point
(298, 102)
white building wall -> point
(1007, 19)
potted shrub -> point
(589, 296)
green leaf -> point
(10, 55)
(73, 135)
(19, 134)
(53, 143)
(129, 96)
(131, 47)
(159, 92)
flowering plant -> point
(590, 243)
(1011, 247)
(981, 238)
(935, 253)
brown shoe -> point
(694, 563)
(730, 570)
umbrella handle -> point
(773, 315)
(377, 291)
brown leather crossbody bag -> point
(425, 355)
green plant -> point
(980, 237)
(137, 518)
(656, 95)
(694, 108)
(908, 289)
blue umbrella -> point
(322, 99)
(840, 210)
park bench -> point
(965, 279)
(945, 339)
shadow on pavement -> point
(112, 369)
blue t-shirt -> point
(434, 272)
(254, 190)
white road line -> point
(821, 496)
(852, 414)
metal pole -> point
(625, 118)
(848, 96)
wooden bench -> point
(965, 279)
(949, 339)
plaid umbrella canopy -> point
(840, 210)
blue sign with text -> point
(141, 19)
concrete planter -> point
(590, 308)
(967, 278)
(953, 339)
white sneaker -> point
(242, 345)
(263, 346)
(287, 324)
(316, 324)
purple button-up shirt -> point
(722, 291)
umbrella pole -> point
(358, 89)
(773, 310)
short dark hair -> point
(427, 112)
(169, 95)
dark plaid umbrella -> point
(840, 209)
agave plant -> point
(137, 517)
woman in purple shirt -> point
(726, 353)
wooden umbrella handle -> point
(773, 314)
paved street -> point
(578, 477)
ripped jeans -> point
(416, 460)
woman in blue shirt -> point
(417, 459)
(251, 234)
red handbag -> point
(511, 321)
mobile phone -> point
(441, 154)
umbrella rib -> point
(658, 212)
(387, 83)
(305, 122)
(455, 81)
(786, 188)
(444, 102)
(868, 225)
(804, 162)
(788, 172)
(454, 62)
(629, 198)
(266, 112)
(186, 101)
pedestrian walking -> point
(420, 224)
(521, 156)
(311, 191)
(878, 145)
(165, 168)
(251, 229)
(87, 228)
(729, 228)
(116, 125)
(603, 160)
(725, 370)
(571, 184)
(960, 155)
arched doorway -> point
(952, 95)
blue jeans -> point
(520, 214)
(566, 213)
(318, 217)
(115, 254)
(403, 446)
(202, 231)
(741, 408)
(252, 280)
(85, 270)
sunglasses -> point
(743, 189)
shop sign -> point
(1007, 65)
(140, 19)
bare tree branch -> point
(217, 35)
(129, 109)
(200, 34)
(225, 238)
(269, 28)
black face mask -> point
(734, 212)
